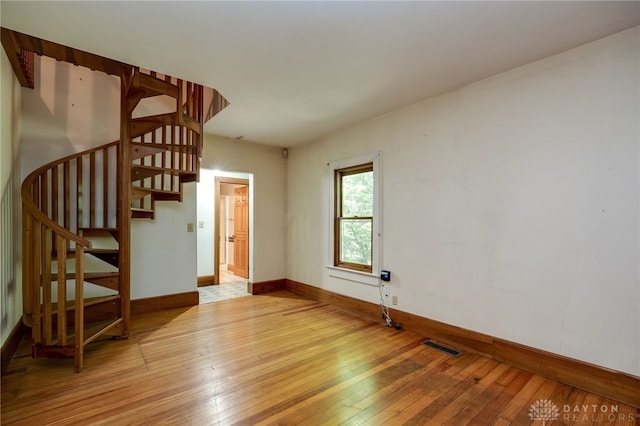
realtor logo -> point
(545, 410)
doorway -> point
(233, 226)
(225, 234)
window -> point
(353, 229)
(354, 214)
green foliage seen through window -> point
(355, 217)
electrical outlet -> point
(394, 300)
(189, 227)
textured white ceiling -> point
(294, 71)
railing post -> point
(79, 310)
(61, 249)
(36, 273)
(47, 323)
(27, 267)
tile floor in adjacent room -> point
(230, 287)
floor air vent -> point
(442, 348)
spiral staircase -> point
(77, 211)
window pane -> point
(355, 241)
(357, 195)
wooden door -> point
(241, 231)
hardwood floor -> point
(281, 359)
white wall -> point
(10, 234)
(71, 109)
(268, 168)
(163, 253)
(510, 206)
(205, 214)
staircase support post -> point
(124, 204)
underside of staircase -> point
(77, 210)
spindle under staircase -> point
(77, 210)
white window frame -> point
(372, 277)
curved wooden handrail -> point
(34, 210)
(47, 243)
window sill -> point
(352, 275)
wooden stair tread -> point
(109, 256)
(100, 274)
(141, 150)
(90, 301)
(98, 231)
(140, 172)
(143, 125)
(189, 177)
(72, 275)
(153, 86)
(100, 250)
(164, 146)
(143, 172)
(138, 192)
(148, 85)
(95, 331)
(141, 210)
(108, 280)
(88, 251)
(139, 213)
(163, 195)
(91, 332)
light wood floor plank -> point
(277, 359)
